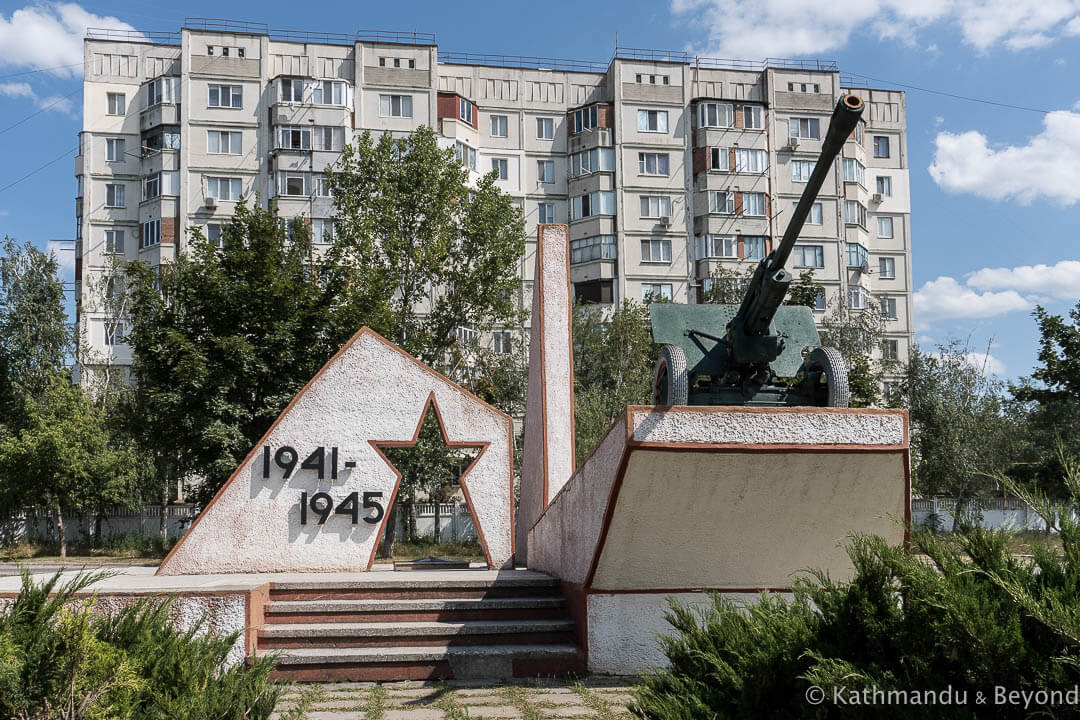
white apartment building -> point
(663, 165)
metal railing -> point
(139, 36)
(631, 53)
(401, 38)
(522, 61)
(221, 25)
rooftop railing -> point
(522, 61)
(139, 36)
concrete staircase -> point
(461, 624)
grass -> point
(516, 694)
(375, 706)
(122, 547)
(424, 547)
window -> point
(801, 170)
(223, 188)
(854, 171)
(498, 126)
(466, 335)
(296, 184)
(500, 342)
(151, 187)
(162, 90)
(652, 163)
(803, 87)
(330, 138)
(545, 213)
(809, 256)
(819, 301)
(804, 128)
(585, 119)
(857, 256)
(881, 146)
(397, 62)
(594, 291)
(654, 121)
(114, 242)
(888, 307)
(294, 137)
(322, 231)
(655, 206)
(114, 150)
(597, 203)
(754, 204)
(656, 250)
(412, 63)
(224, 52)
(854, 213)
(545, 171)
(230, 96)
(382, 62)
(858, 298)
(652, 292)
(223, 142)
(883, 186)
(590, 161)
(292, 90)
(600, 247)
(151, 233)
(860, 132)
(328, 92)
(890, 350)
(502, 165)
(114, 195)
(753, 117)
(884, 227)
(214, 235)
(719, 159)
(240, 52)
(717, 246)
(886, 268)
(722, 202)
(465, 110)
(322, 185)
(814, 217)
(717, 115)
(751, 161)
(545, 128)
(117, 103)
(395, 106)
(114, 332)
(465, 155)
(753, 247)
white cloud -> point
(946, 299)
(1060, 281)
(65, 257)
(58, 103)
(1047, 166)
(983, 362)
(785, 28)
(17, 90)
(50, 35)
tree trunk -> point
(438, 519)
(97, 531)
(386, 550)
(163, 526)
(410, 525)
(60, 531)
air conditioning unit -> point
(793, 143)
(877, 197)
(211, 202)
(665, 220)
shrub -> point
(961, 613)
(60, 659)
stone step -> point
(488, 662)
(455, 585)
(414, 610)
(405, 634)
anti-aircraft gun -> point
(762, 352)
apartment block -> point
(664, 166)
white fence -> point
(995, 513)
(455, 522)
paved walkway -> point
(593, 698)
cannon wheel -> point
(829, 362)
(672, 385)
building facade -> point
(664, 166)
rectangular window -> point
(545, 128)
(545, 213)
(814, 217)
(114, 150)
(655, 206)
(294, 137)
(590, 161)
(500, 342)
(890, 350)
(819, 301)
(223, 188)
(465, 155)
(809, 256)
(223, 142)
(858, 298)
(883, 186)
(465, 110)
(857, 256)
(322, 185)
(597, 203)
(652, 164)
(329, 138)
(498, 126)
(502, 165)
(295, 184)
(599, 247)
(114, 242)
(328, 92)
(753, 247)
(117, 103)
(754, 204)
(719, 160)
(151, 187)
(114, 195)
(881, 146)
(656, 250)
(654, 121)
(292, 90)
(886, 268)
(717, 246)
(322, 231)
(652, 292)
(884, 227)
(888, 307)
(801, 170)
(151, 233)
(751, 161)
(722, 202)
(716, 115)
(229, 96)
(162, 90)
(804, 128)
(395, 106)
(753, 117)
(214, 235)
(854, 171)
(585, 119)
(854, 213)
(545, 171)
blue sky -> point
(994, 189)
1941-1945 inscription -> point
(321, 503)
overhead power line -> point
(35, 171)
(958, 97)
(42, 109)
(31, 72)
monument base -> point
(683, 500)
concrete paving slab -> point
(493, 711)
(414, 714)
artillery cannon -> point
(761, 352)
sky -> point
(993, 114)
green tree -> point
(63, 458)
(728, 284)
(857, 334)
